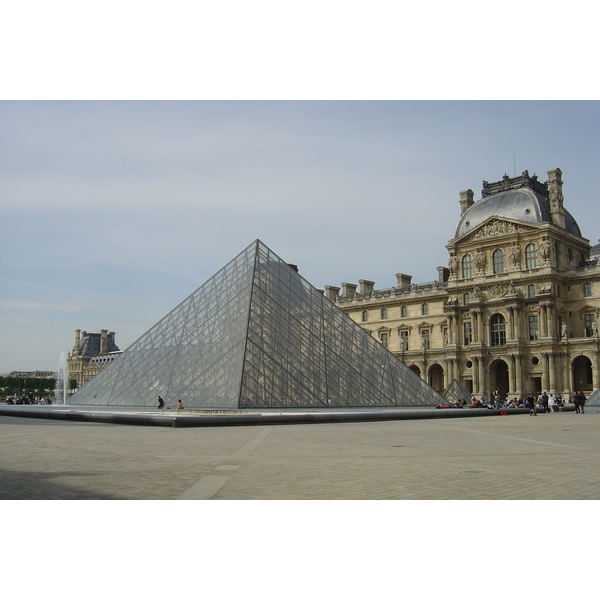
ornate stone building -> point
(517, 307)
(91, 353)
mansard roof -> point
(522, 199)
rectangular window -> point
(404, 340)
(425, 339)
(424, 309)
(533, 327)
(384, 339)
(466, 299)
(587, 289)
(403, 311)
(588, 323)
(468, 332)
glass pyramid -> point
(257, 335)
(594, 399)
(456, 391)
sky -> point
(114, 211)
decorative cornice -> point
(507, 183)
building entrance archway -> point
(436, 378)
(581, 374)
(499, 378)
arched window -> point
(498, 261)
(365, 316)
(467, 266)
(497, 330)
(383, 314)
(530, 256)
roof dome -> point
(525, 200)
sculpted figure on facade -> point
(479, 260)
(545, 250)
(453, 264)
(563, 334)
(514, 256)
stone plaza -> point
(547, 457)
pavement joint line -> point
(206, 487)
(520, 439)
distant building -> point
(33, 374)
(516, 308)
(91, 353)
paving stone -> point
(552, 457)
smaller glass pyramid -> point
(456, 391)
(593, 400)
(257, 335)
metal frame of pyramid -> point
(257, 335)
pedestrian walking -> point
(531, 405)
(582, 401)
(161, 403)
(577, 402)
(543, 400)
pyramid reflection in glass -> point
(257, 335)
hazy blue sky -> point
(113, 212)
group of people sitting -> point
(543, 402)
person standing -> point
(531, 405)
(497, 401)
(577, 402)
(543, 399)
(553, 403)
(582, 401)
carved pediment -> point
(495, 227)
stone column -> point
(482, 378)
(511, 374)
(552, 368)
(519, 387)
(596, 370)
(544, 320)
(475, 370)
(545, 374)
(517, 320)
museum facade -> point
(515, 309)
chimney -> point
(466, 201)
(404, 281)
(103, 341)
(332, 292)
(366, 286)
(348, 290)
(77, 341)
(555, 197)
(443, 274)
